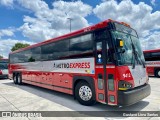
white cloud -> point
(153, 2)
(140, 16)
(8, 3)
(6, 32)
(52, 22)
(34, 5)
(7, 44)
(37, 29)
(152, 41)
(73, 7)
(47, 22)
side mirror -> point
(119, 43)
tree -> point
(1, 57)
(19, 46)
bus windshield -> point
(132, 49)
(3, 64)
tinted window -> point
(56, 50)
(152, 56)
(20, 57)
(27, 55)
(16, 58)
(81, 46)
(101, 34)
(11, 58)
(47, 52)
(111, 54)
(36, 54)
(156, 54)
(3, 64)
(61, 50)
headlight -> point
(124, 85)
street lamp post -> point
(70, 19)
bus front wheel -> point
(84, 94)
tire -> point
(19, 79)
(157, 73)
(84, 94)
(15, 79)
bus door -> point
(105, 71)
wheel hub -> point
(14, 79)
(18, 79)
(85, 93)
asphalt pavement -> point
(28, 98)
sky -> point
(33, 21)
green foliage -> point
(1, 57)
(19, 46)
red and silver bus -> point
(3, 68)
(102, 63)
(152, 58)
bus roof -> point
(78, 32)
(150, 51)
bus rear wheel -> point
(19, 79)
(157, 73)
(15, 79)
(84, 94)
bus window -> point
(81, 46)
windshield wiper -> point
(133, 56)
(137, 57)
(142, 62)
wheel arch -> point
(88, 79)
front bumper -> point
(130, 97)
